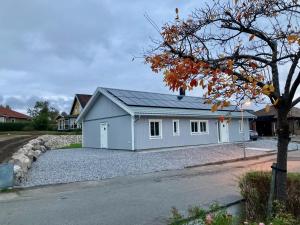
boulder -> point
(23, 161)
(43, 148)
(36, 147)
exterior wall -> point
(143, 141)
(77, 108)
(67, 124)
(234, 131)
(12, 120)
(119, 125)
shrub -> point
(255, 188)
(16, 126)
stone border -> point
(25, 156)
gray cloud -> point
(51, 50)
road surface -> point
(130, 200)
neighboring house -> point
(68, 122)
(266, 121)
(134, 120)
(8, 115)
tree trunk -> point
(282, 145)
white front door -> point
(103, 135)
(223, 131)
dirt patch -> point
(10, 144)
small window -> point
(199, 127)
(13, 120)
(194, 127)
(175, 127)
(203, 127)
(155, 128)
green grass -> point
(75, 145)
(7, 190)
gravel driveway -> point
(71, 165)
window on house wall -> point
(194, 127)
(13, 120)
(176, 127)
(203, 126)
(199, 127)
(155, 128)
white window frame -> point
(159, 131)
(198, 124)
(241, 126)
(177, 133)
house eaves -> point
(169, 112)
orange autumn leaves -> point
(219, 82)
(293, 38)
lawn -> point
(74, 145)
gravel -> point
(71, 165)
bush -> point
(16, 126)
(196, 215)
(255, 188)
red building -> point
(8, 115)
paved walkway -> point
(131, 200)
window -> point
(241, 127)
(175, 127)
(202, 127)
(13, 120)
(155, 129)
(199, 127)
(194, 127)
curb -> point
(236, 160)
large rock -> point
(24, 157)
(23, 161)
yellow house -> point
(68, 122)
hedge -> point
(255, 188)
(16, 126)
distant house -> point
(68, 122)
(9, 115)
(265, 122)
(134, 120)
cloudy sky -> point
(51, 50)
(54, 49)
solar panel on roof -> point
(137, 98)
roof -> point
(8, 113)
(294, 112)
(149, 99)
(83, 99)
(65, 117)
(138, 103)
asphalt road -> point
(130, 200)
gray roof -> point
(138, 103)
(148, 99)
